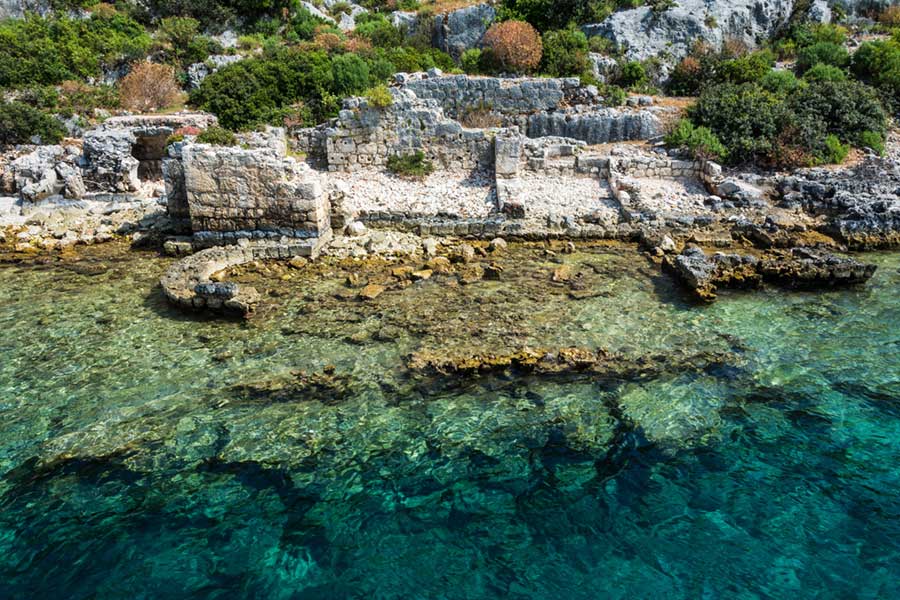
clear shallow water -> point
(131, 467)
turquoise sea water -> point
(134, 464)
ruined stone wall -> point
(238, 189)
(365, 136)
(457, 94)
(596, 126)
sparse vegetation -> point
(150, 87)
(217, 136)
(410, 165)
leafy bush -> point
(613, 95)
(565, 53)
(515, 45)
(872, 140)
(379, 96)
(699, 140)
(633, 74)
(376, 28)
(823, 72)
(822, 52)
(745, 69)
(745, 118)
(217, 136)
(878, 64)
(351, 74)
(149, 87)
(780, 83)
(82, 99)
(471, 61)
(37, 50)
(845, 108)
(836, 152)
(20, 122)
(256, 90)
(410, 165)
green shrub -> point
(872, 140)
(379, 96)
(745, 118)
(878, 64)
(20, 122)
(613, 95)
(410, 165)
(217, 136)
(823, 72)
(471, 61)
(633, 74)
(351, 74)
(257, 90)
(376, 28)
(699, 140)
(40, 96)
(845, 108)
(780, 83)
(836, 152)
(748, 68)
(822, 52)
(565, 53)
(41, 51)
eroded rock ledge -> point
(802, 268)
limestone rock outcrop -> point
(458, 30)
(644, 32)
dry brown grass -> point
(439, 7)
(150, 87)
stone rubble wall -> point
(457, 94)
(252, 189)
(365, 136)
(598, 126)
(108, 164)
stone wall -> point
(601, 126)
(365, 136)
(457, 94)
(240, 189)
(109, 161)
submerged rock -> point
(796, 268)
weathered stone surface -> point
(795, 268)
(458, 30)
(596, 127)
(238, 189)
(645, 33)
(197, 72)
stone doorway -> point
(150, 150)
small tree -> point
(149, 87)
(515, 45)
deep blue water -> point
(130, 470)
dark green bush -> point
(746, 69)
(350, 73)
(633, 74)
(780, 83)
(745, 118)
(256, 90)
(823, 52)
(20, 122)
(565, 53)
(878, 64)
(376, 28)
(844, 108)
(410, 165)
(823, 72)
(217, 136)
